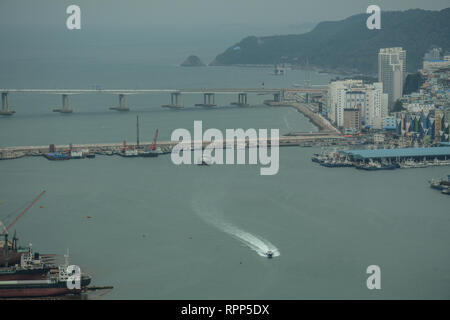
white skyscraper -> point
(354, 94)
(392, 72)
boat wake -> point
(258, 244)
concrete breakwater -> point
(164, 146)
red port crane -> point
(154, 140)
(23, 212)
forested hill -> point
(348, 44)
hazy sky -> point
(145, 13)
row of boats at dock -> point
(150, 151)
(125, 152)
(335, 160)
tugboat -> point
(269, 254)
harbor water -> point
(154, 230)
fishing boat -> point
(440, 183)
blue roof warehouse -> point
(441, 153)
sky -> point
(178, 13)
(162, 31)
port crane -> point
(6, 229)
(154, 140)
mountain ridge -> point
(347, 44)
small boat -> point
(76, 154)
(90, 155)
(269, 254)
(129, 153)
(148, 154)
(204, 161)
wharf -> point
(164, 146)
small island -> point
(193, 61)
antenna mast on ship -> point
(137, 131)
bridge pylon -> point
(242, 100)
(65, 105)
(208, 100)
(175, 101)
(5, 111)
(122, 104)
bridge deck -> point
(149, 91)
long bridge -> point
(175, 95)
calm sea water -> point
(160, 231)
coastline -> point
(322, 124)
(322, 70)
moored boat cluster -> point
(335, 159)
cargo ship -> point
(32, 266)
(35, 275)
(55, 283)
(10, 254)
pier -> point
(164, 146)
